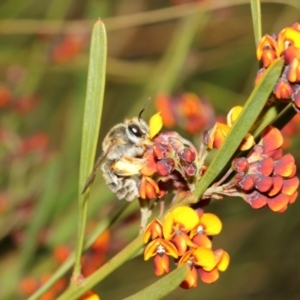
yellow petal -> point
(186, 217)
(185, 257)
(247, 142)
(169, 248)
(223, 258)
(168, 223)
(288, 36)
(151, 248)
(89, 296)
(211, 223)
(155, 125)
(220, 134)
(204, 258)
(154, 228)
(233, 115)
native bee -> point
(125, 142)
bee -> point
(126, 142)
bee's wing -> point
(98, 163)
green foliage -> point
(193, 47)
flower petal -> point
(191, 279)
(211, 223)
(290, 186)
(161, 264)
(209, 276)
(285, 165)
(186, 217)
(223, 259)
(155, 125)
(204, 258)
(278, 202)
(271, 139)
(288, 36)
(263, 183)
(153, 231)
(233, 115)
(168, 226)
(201, 240)
(151, 249)
(256, 200)
(277, 185)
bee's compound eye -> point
(135, 130)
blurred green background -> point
(154, 46)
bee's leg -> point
(123, 187)
(130, 188)
(112, 180)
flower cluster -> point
(171, 163)
(187, 111)
(286, 45)
(186, 235)
(266, 176)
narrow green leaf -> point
(256, 19)
(91, 126)
(163, 286)
(93, 102)
(249, 114)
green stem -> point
(128, 252)
(256, 19)
(63, 269)
(82, 217)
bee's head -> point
(137, 130)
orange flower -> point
(181, 219)
(221, 264)
(160, 249)
(269, 176)
(288, 36)
(187, 111)
(176, 226)
(148, 188)
(215, 137)
(283, 89)
(267, 50)
(196, 258)
(209, 224)
(153, 231)
(287, 46)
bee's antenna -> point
(142, 110)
